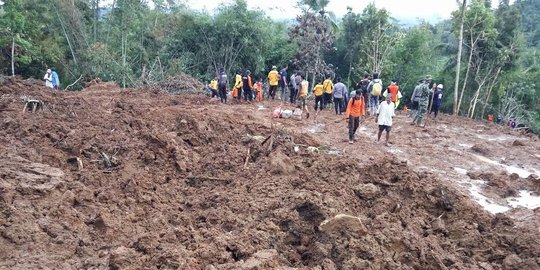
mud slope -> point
(132, 179)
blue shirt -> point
(55, 80)
(283, 74)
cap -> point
(49, 70)
(440, 86)
(428, 77)
(274, 67)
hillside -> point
(108, 178)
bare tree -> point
(458, 65)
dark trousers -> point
(214, 92)
(273, 89)
(354, 122)
(248, 95)
(435, 109)
(338, 105)
(319, 101)
(327, 99)
(223, 94)
(294, 92)
(239, 92)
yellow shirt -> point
(328, 86)
(238, 81)
(213, 84)
(273, 77)
(318, 90)
(303, 88)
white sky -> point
(401, 9)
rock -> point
(68, 198)
(518, 143)
(328, 264)
(512, 261)
(343, 223)
(260, 259)
(367, 191)
(122, 257)
(280, 163)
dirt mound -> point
(169, 184)
(180, 84)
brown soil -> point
(137, 179)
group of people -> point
(51, 79)
(369, 96)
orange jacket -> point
(357, 109)
(393, 90)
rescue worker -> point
(273, 80)
(355, 109)
(423, 102)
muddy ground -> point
(140, 179)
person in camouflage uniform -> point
(424, 101)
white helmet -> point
(440, 86)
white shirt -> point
(385, 112)
(48, 80)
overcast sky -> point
(400, 9)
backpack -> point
(376, 89)
(222, 81)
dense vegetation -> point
(133, 44)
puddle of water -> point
(460, 170)
(261, 107)
(466, 145)
(538, 156)
(510, 169)
(492, 138)
(525, 199)
(485, 202)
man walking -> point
(222, 85)
(375, 92)
(302, 94)
(385, 112)
(437, 100)
(355, 109)
(247, 85)
(328, 86)
(294, 87)
(423, 103)
(283, 81)
(273, 79)
(339, 93)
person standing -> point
(375, 92)
(328, 86)
(273, 80)
(415, 99)
(363, 86)
(423, 103)
(393, 89)
(294, 88)
(318, 92)
(302, 94)
(247, 85)
(437, 100)
(259, 89)
(339, 92)
(214, 87)
(283, 81)
(48, 79)
(385, 112)
(222, 85)
(355, 109)
(55, 80)
(237, 91)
